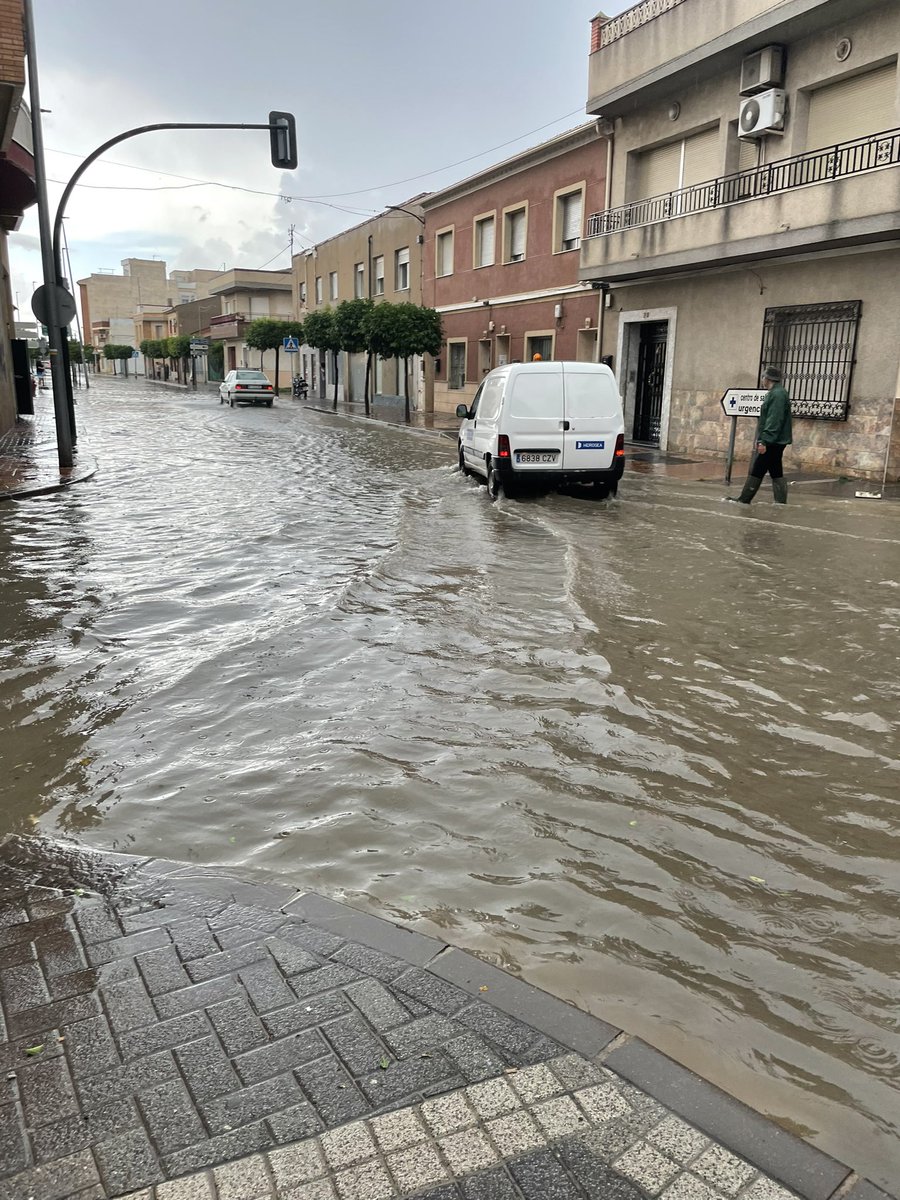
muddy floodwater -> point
(642, 753)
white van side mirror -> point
(462, 411)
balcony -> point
(659, 46)
(841, 195)
(227, 325)
(17, 186)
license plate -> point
(590, 445)
(524, 457)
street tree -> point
(418, 331)
(178, 349)
(268, 333)
(320, 330)
(118, 352)
(350, 318)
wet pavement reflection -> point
(644, 753)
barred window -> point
(814, 346)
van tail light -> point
(503, 446)
(620, 446)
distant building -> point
(17, 193)
(502, 258)
(379, 259)
(754, 219)
(243, 296)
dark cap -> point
(773, 373)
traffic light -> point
(283, 140)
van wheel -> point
(463, 469)
(493, 483)
(614, 488)
(601, 491)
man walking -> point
(773, 433)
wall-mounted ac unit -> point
(764, 69)
(763, 114)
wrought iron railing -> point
(819, 166)
(606, 31)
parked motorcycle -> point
(300, 387)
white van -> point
(544, 423)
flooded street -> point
(643, 754)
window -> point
(515, 225)
(679, 164)
(457, 351)
(814, 346)
(491, 395)
(484, 241)
(318, 289)
(359, 280)
(378, 269)
(852, 108)
(332, 285)
(443, 262)
(539, 343)
(567, 220)
(302, 293)
(401, 270)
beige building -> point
(128, 308)
(380, 259)
(753, 219)
(244, 296)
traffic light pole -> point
(283, 140)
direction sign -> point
(743, 402)
(199, 345)
(291, 345)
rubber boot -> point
(749, 490)
(779, 490)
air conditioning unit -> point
(763, 114)
(764, 69)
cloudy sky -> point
(392, 98)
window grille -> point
(814, 346)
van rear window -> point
(538, 395)
(590, 394)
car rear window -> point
(252, 375)
(590, 394)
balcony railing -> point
(227, 319)
(820, 166)
(604, 31)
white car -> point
(546, 423)
(246, 386)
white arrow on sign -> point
(743, 402)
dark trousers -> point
(770, 461)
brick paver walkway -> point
(246, 1040)
(29, 461)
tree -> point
(268, 333)
(350, 318)
(320, 330)
(152, 349)
(118, 352)
(178, 348)
(419, 331)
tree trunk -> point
(406, 387)
(368, 379)
(277, 389)
(334, 364)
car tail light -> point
(503, 446)
(239, 387)
(268, 387)
(620, 446)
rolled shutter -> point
(702, 158)
(486, 242)
(572, 219)
(748, 155)
(659, 171)
(853, 108)
(517, 235)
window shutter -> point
(748, 155)
(517, 235)
(571, 232)
(486, 242)
(659, 171)
(403, 257)
(852, 108)
(702, 159)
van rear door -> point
(533, 417)
(593, 418)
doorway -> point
(650, 383)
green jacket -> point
(774, 425)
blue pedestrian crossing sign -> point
(291, 344)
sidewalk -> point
(184, 1033)
(29, 462)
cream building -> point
(244, 296)
(379, 259)
(753, 219)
